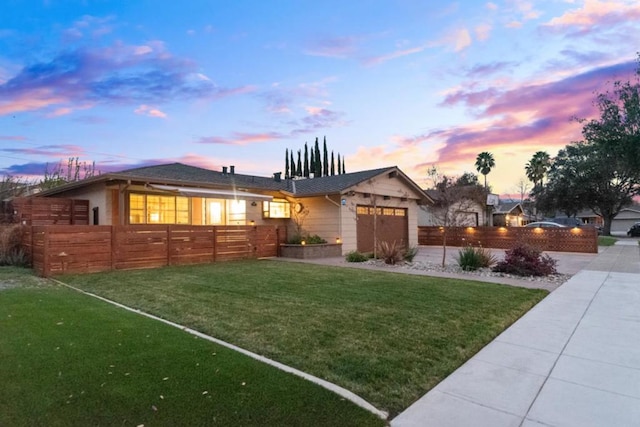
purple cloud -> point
(116, 74)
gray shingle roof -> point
(181, 174)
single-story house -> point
(508, 214)
(465, 212)
(625, 219)
(344, 208)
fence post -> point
(215, 242)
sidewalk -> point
(573, 360)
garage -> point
(387, 223)
(625, 219)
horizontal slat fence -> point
(86, 249)
(49, 211)
(546, 239)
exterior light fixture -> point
(338, 240)
(304, 242)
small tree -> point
(74, 171)
(286, 163)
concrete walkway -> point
(573, 360)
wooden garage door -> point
(389, 224)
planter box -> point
(325, 250)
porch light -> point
(304, 242)
(252, 222)
(338, 240)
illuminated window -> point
(136, 209)
(161, 209)
(276, 208)
(215, 210)
(182, 210)
(388, 211)
(362, 210)
(401, 212)
(237, 212)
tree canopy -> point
(601, 172)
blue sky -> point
(217, 83)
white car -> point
(545, 224)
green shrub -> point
(390, 253)
(308, 239)
(355, 256)
(410, 253)
(471, 259)
(12, 251)
(525, 260)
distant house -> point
(586, 216)
(343, 208)
(508, 214)
(625, 219)
(466, 212)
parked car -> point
(545, 224)
(569, 222)
(634, 231)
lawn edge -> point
(349, 395)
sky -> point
(407, 83)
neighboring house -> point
(508, 214)
(586, 216)
(465, 212)
(625, 219)
(346, 208)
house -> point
(350, 208)
(625, 219)
(466, 211)
(508, 214)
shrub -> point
(390, 253)
(297, 239)
(525, 260)
(470, 258)
(355, 256)
(11, 250)
(410, 253)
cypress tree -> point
(306, 161)
(286, 164)
(293, 166)
(333, 165)
(299, 165)
(343, 162)
(312, 162)
(339, 165)
(325, 159)
(318, 160)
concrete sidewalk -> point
(573, 360)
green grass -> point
(70, 360)
(606, 241)
(385, 336)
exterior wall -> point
(323, 218)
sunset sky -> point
(210, 83)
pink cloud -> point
(148, 111)
(241, 138)
(596, 13)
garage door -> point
(389, 224)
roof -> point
(507, 207)
(185, 175)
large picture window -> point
(161, 209)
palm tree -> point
(537, 168)
(484, 163)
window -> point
(276, 208)
(136, 209)
(237, 212)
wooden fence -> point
(49, 211)
(546, 239)
(64, 249)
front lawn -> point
(70, 360)
(387, 337)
